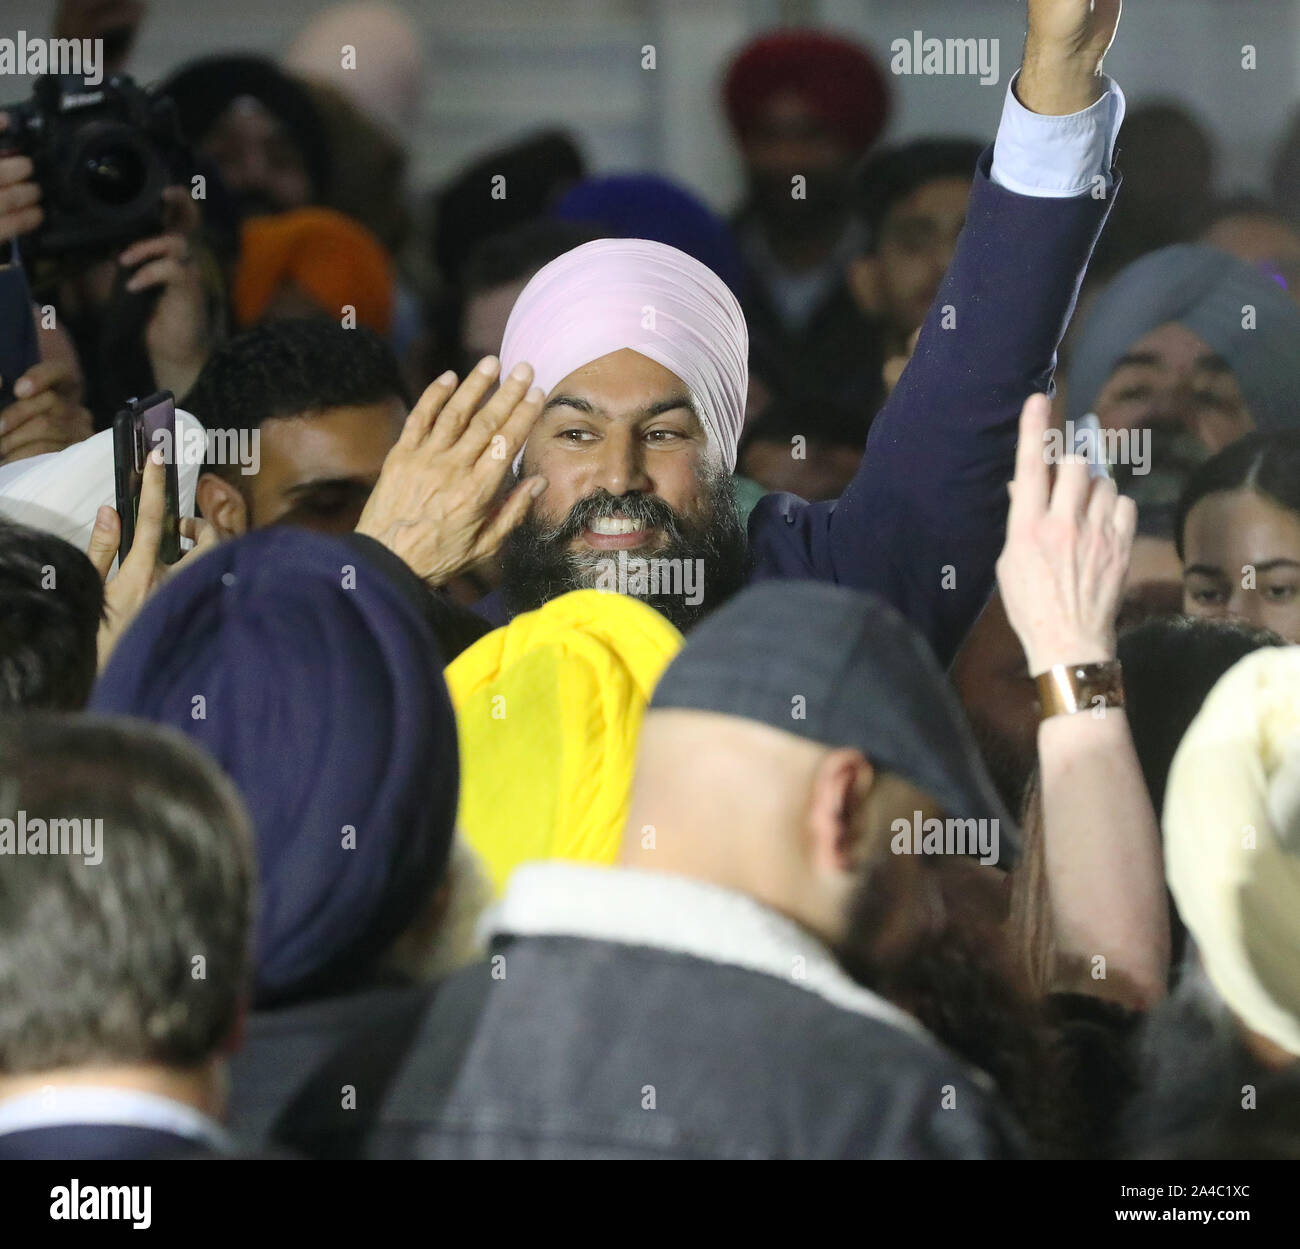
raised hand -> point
(1064, 51)
(178, 336)
(1081, 27)
(20, 194)
(1066, 557)
(433, 502)
(46, 414)
(140, 573)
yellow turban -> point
(548, 710)
(1232, 840)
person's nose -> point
(621, 465)
(1248, 606)
(1172, 404)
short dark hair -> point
(51, 601)
(290, 368)
(135, 951)
(519, 253)
(1266, 463)
(821, 423)
(535, 170)
(1171, 663)
(888, 177)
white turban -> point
(1232, 840)
(61, 492)
(631, 293)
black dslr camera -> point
(102, 157)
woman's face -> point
(1242, 559)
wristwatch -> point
(1067, 689)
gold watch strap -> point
(1070, 688)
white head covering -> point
(1232, 840)
(61, 492)
(631, 293)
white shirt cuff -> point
(1057, 157)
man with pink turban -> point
(623, 448)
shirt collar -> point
(62, 1105)
(685, 916)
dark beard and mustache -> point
(539, 566)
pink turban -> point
(617, 293)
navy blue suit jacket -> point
(923, 521)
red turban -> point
(840, 80)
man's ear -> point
(221, 503)
(840, 789)
(866, 285)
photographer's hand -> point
(140, 573)
(46, 414)
(20, 196)
(178, 337)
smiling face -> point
(1242, 559)
(623, 424)
(630, 473)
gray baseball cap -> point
(841, 668)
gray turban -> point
(1204, 290)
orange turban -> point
(334, 260)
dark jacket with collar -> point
(564, 1047)
(80, 1142)
(284, 1048)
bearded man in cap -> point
(624, 446)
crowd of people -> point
(814, 684)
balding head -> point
(790, 822)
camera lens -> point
(114, 174)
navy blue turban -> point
(646, 206)
(306, 666)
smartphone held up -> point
(139, 428)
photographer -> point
(130, 317)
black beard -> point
(539, 566)
(823, 210)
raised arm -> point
(1062, 575)
(923, 521)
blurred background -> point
(495, 68)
